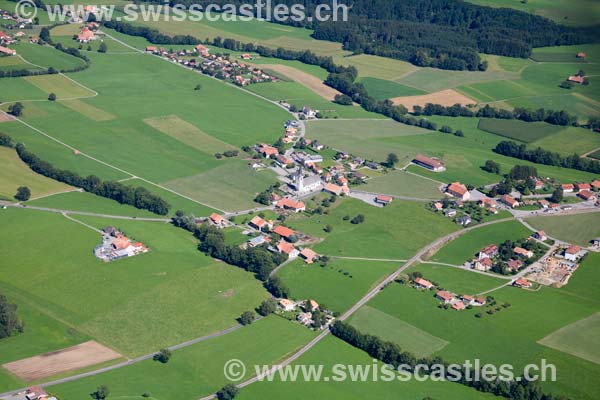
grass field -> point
(464, 248)
(577, 229)
(46, 56)
(338, 285)
(409, 338)
(400, 183)
(15, 173)
(189, 375)
(131, 305)
(394, 232)
(332, 351)
(463, 157)
(383, 89)
(521, 131)
(509, 336)
(579, 339)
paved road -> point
(470, 270)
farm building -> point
(383, 199)
(86, 35)
(572, 253)
(291, 204)
(522, 283)
(309, 255)
(459, 191)
(445, 296)
(567, 187)
(587, 195)
(287, 248)
(429, 163)
(260, 224)
(7, 51)
(509, 201)
(423, 283)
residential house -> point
(202, 50)
(537, 183)
(450, 212)
(151, 49)
(429, 163)
(342, 180)
(458, 306)
(423, 283)
(459, 191)
(514, 265)
(383, 199)
(583, 186)
(260, 224)
(479, 301)
(509, 201)
(489, 251)
(283, 231)
(258, 241)
(310, 305)
(586, 195)
(543, 203)
(581, 55)
(36, 393)
(596, 243)
(308, 112)
(7, 51)
(576, 79)
(217, 220)
(336, 189)
(468, 300)
(596, 184)
(287, 248)
(572, 253)
(445, 296)
(86, 35)
(291, 204)
(284, 160)
(522, 283)
(267, 151)
(437, 205)
(521, 252)
(483, 264)
(567, 187)
(287, 304)
(305, 318)
(540, 235)
(465, 220)
(309, 255)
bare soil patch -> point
(5, 117)
(61, 361)
(447, 97)
(304, 78)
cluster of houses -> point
(456, 302)
(13, 20)
(485, 259)
(585, 191)
(218, 66)
(88, 33)
(305, 310)
(5, 40)
(116, 245)
(32, 393)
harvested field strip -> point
(446, 97)
(580, 339)
(88, 110)
(188, 134)
(61, 86)
(61, 361)
(304, 78)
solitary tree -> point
(23, 193)
(163, 356)
(52, 97)
(101, 393)
(247, 318)
(102, 48)
(16, 109)
(228, 392)
(392, 159)
(198, 87)
(267, 307)
(492, 166)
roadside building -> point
(459, 191)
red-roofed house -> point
(86, 35)
(484, 264)
(540, 235)
(202, 50)
(383, 199)
(522, 283)
(489, 251)
(572, 253)
(576, 79)
(587, 195)
(583, 186)
(567, 187)
(459, 191)
(458, 306)
(581, 54)
(216, 219)
(309, 255)
(291, 204)
(509, 201)
(287, 248)
(596, 184)
(268, 151)
(514, 265)
(336, 189)
(283, 231)
(521, 252)
(429, 163)
(445, 296)
(7, 51)
(259, 223)
(423, 283)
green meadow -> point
(521, 131)
(338, 285)
(510, 335)
(132, 305)
(578, 229)
(463, 156)
(394, 232)
(197, 370)
(382, 89)
(46, 56)
(15, 173)
(401, 183)
(332, 351)
(464, 248)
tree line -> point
(138, 197)
(546, 157)
(9, 319)
(445, 34)
(258, 260)
(390, 353)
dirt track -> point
(304, 78)
(5, 117)
(447, 97)
(60, 361)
